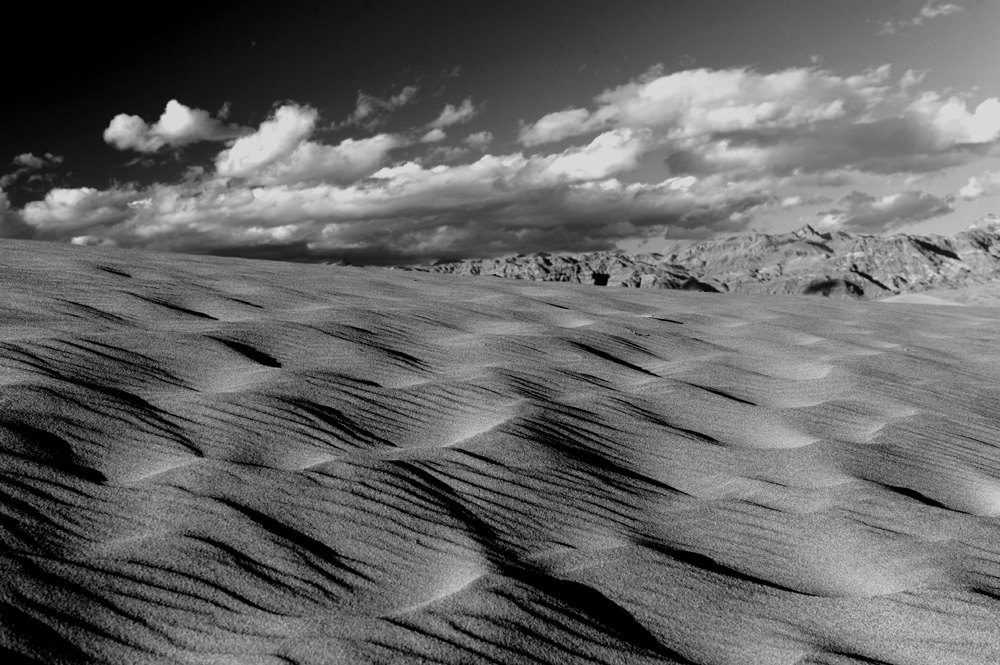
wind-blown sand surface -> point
(206, 460)
(987, 295)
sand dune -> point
(206, 460)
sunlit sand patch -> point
(919, 299)
(784, 368)
(450, 582)
(724, 417)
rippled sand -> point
(206, 460)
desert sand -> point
(208, 460)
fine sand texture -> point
(986, 295)
(208, 460)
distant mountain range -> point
(807, 261)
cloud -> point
(276, 138)
(608, 154)
(179, 125)
(371, 111)
(434, 136)
(744, 122)
(953, 123)
(443, 153)
(279, 152)
(350, 160)
(28, 160)
(558, 126)
(498, 204)
(733, 144)
(911, 78)
(479, 140)
(67, 210)
(452, 115)
(929, 11)
(703, 102)
(980, 186)
(862, 212)
(29, 164)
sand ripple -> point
(210, 460)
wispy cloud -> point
(912, 78)
(179, 125)
(453, 115)
(929, 11)
(371, 111)
(445, 153)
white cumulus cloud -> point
(275, 138)
(65, 210)
(558, 126)
(800, 119)
(953, 123)
(497, 204)
(702, 102)
(280, 152)
(979, 186)
(729, 144)
(350, 160)
(435, 135)
(178, 125)
(608, 154)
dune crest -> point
(233, 461)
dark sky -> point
(516, 63)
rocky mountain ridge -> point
(805, 261)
